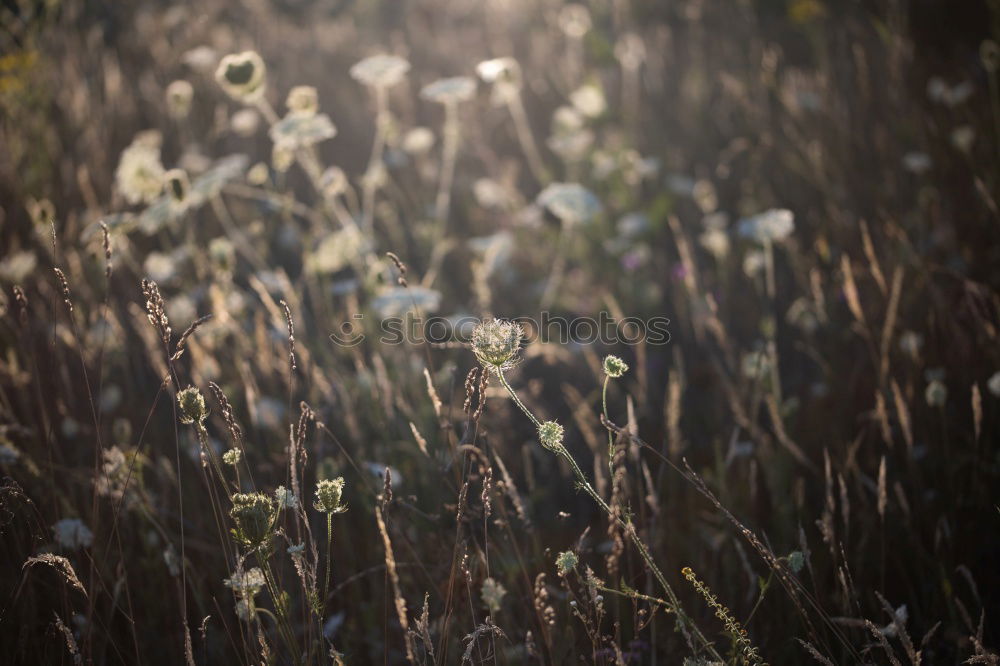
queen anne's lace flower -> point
(380, 71)
(497, 343)
(71, 533)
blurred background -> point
(807, 189)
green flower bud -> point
(329, 493)
(192, 405)
(614, 367)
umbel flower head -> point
(550, 434)
(254, 515)
(614, 367)
(566, 561)
(496, 343)
(329, 494)
(243, 76)
(192, 405)
(380, 71)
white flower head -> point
(71, 533)
(243, 76)
(246, 584)
(303, 101)
(452, 90)
(493, 594)
(771, 226)
(715, 242)
(574, 20)
(497, 343)
(917, 162)
(589, 100)
(285, 498)
(179, 96)
(936, 393)
(418, 141)
(993, 384)
(139, 175)
(298, 130)
(380, 71)
(504, 74)
(572, 203)
(630, 51)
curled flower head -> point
(329, 494)
(254, 515)
(496, 343)
(550, 434)
(192, 405)
(566, 561)
(243, 76)
(614, 367)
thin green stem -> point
(685, 623)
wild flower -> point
(192, 405)
(71, 534)
(630, 51)
(245, 122)
(771, 226)
(566, 562)
(993, 384)
(254, 515)
(179, 96)
(418, 141)
(492, 593)
(572, 203)
(16, 266)
(380, 71)
(589, 100)
(962, 137)
(139, 176)
(550, 435)
(285, 498)
(756, 364)
(497, 343)
(715, 242)
(574, 20)
(450, 91)
(396, 301)
(297, 130)
(8, 454)
(504, 75)
(243, 76)
(329, 495)
(936, 393)
(232, 457)
(246, 584)
(917, 162)
(753, 263)
(302, 101)
(614, 367)
(910, 343)
(571, 146)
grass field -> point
(502, 332)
